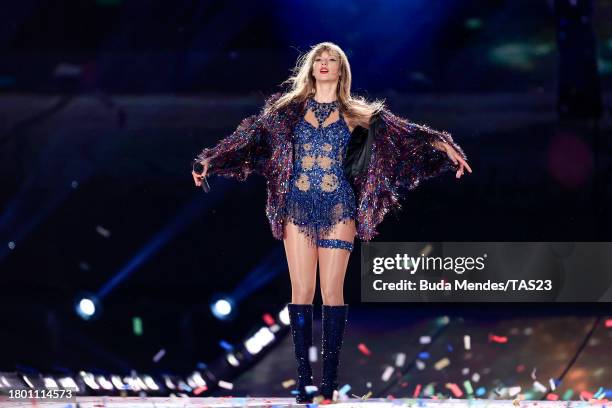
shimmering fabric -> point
(319, 197)
(300, 318)
(336, 243)
(334, 320)
(402, 155)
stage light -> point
(169, 384)
(27, 381)
(50, 382)
(283, 316)
(117, 382)
(259, 340)
(104, 383)
(150, 382)
(88, 379)
(223, 307)
(69, 383)
(87, 306)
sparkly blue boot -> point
(300, 317)
(333, 321)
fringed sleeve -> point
(243, 152)
(403, 155)
(415, 157)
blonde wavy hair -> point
(302, 85)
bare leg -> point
(333, 263)
(302, 262)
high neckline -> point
(323, 103)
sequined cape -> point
(401, 156)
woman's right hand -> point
(197, 177)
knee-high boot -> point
(333, 321)
(300, 317)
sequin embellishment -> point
(321, 196)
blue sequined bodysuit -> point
(320, 196)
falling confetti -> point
(103, 231)
(467, 342)
(387, 373)
(425, 340)
(268, 319)
(417, 391)
(420, 364)
(158, 356)
(137, 325)
(442, 363)
(400, 359)
(497, 339)
(225, 384)
(364, 349)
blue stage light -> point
(222, 307)
(87, 306)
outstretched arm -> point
(243, 152)
(418, 152)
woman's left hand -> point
(457, 159)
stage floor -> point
(175, 402)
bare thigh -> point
(302, 262)
(333, 263)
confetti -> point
(225, 384)
(465, 370)
(475, 377)
(137, 326)
(480, 391)
(608, 323)
(345, 388)
(200, 390)
(539, 386)
(585, 395)
(497, 339)
(103, 231)
(417, 391)
(419, 364)
(552, 397)
(225, 345)
(467, 342)
(553, 386)
(468, 387)
(424, 355)
(568, 394)
(364, 349)
(400, 359)
(513, 391)
(159, 355)
(454, 389)
(533, 373)
(311, 389)
(268, 319)
(425, 339)
(288, 383)
(440, 364)
(387, 373)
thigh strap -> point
(335, 243)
